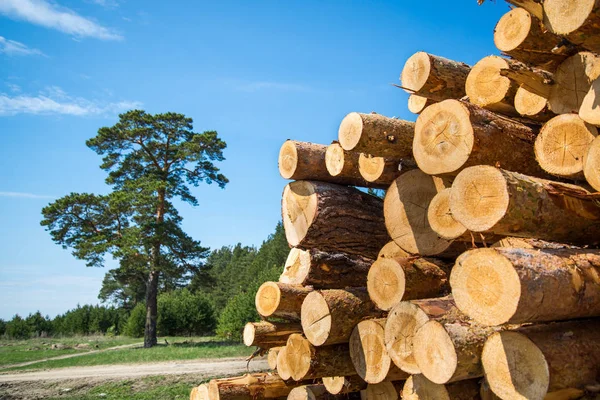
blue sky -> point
(257, 72)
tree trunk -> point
(434, 77)
(405, 319)
(151, 309)
(344, 384)
(577, 21)
(562, 144)
(521, 35)
(417, 103)
(557, 359)
(506, 203)
(306, 361)
(382, 171)
(343, 166)
(532, 106)
(200, 392)
(328, 316)
(450, 352)
(589, 110)
(418, 387)
(383, 391)
(572, 81)
(274, 299)
(325, 270)
(333, 218)
(392, 280)
(256, 386)
(477, 137)
(267, 335)
(376, 135)
(591, 164)
(506, 285)
(272, 357)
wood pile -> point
(477, 276)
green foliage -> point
(182, 313)
(18, 328)
(38, 324)
(2, 327)
(238, 311)
(88, 319)
(136, 321)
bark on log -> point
(434, 77)
(325, 270)
(591, 164)
(306, 361)
(405, 319)
(512, 285)
(272, 356)
(557, 359)
(590, 110)
(506, 203)
(529, 243)
(452, 135)
(376, 135)
(391, 280)
(572, 81)
(381, 171)
(267, 335)
(562, 144)
(303, 160)
(283, 368)
(328, 316)
(532, 106)
(333, 218)
(369, 355)
(382, 391)
(534, 79)
(578, 21)
(417, 103)
(344, 384)
(344, 167)
(275, 299)
(521, 35)
(418, 387)
(200, 392)
(256, 386)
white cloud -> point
(50, 15)
(106, 3)
(14, 48)
(265, 85)
(13, 87)
(24, 195)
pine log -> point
(418, 387)
(275, 299)
(325, 270)
(344, 384)
(405, 319)
(417, 103)
(557, 359)
(532, 106)
(562, 144)
(450, 352)
(391, 280)
(452, 135)
(256, 386)
(303, 160)
(200, 392)
(328, 316)
(382, 391)
(369, 355)
(440, 217)
(521, 35)
(317, 392)
(590, 110)
(267, 335)
(591, 164)
(306, 361)
(382, 171)
(506, 203)
(434, 77)
(283, 368)
(392, 250)
(534, 79)
(578, 21)
(376, 135)
(572, 81)
(272, 356)
(512, 285)
(333, 218)
(534, 7)
(343, 166)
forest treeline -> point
(217, 298)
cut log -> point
(405, 319)
(283, 368)
(418, 387)
(506, 203)
(328, 316)
(306, 361)
(377, 135)
(343, 166)
(486, 393)
(534, 7)
(450, 352)
(333, 218)
(391, 280)
(591, 164)
(267, 335)
(520, 35)
(417, 103)
(369, 355)
(572, 81)
(325, 270)
(382, 171)
(272, 357)
(512, 285)
(434, 77)
(590, 106)
(562, 144)
(344, 384)
(528, 243)
(558, 359)
(303, 160)
(256, 386)
(578, 21)
(534, 79)
(200, 392)
(440, 217)
(532, 106)
(392, 250)
(452, 135)
(383, 391)
(316, 392)
(275, 299)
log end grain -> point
(272, 357)
(297, 267)
(485, 86)
(441, 219)
(416, 72)
(529, 104)
(563, 17)
(344, 384)
(386, 283)
(283, 369)
(350, 131)
(288, 159)
(248, 334)
(573, 80)
(435, 353)
(371, 168)
(334, 159)
(589, 110)
(392, 250)
(298, 354)
(382, 391)
(417, 387)
(267, 300)
(416, 103)
(402, 323)
(299, 206)
(367, 351)
(591, 164)
(512, 29)
(316, 318)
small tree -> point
(182, 313)
(17, 328)
(2, 327)
(136, 321)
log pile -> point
(477, 276)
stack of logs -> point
(476, 277)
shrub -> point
(38, 324)
(238, 311)
(181, 312)
(2, 327)
(17, 328)
(136, 321)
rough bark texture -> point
(507, 203)
(275, 299)
(325, 270)
(529, 243)
(344, 384)
(434, 77)
(578, 21)
(512, 285)
(376, 135)
(267, 335)
(328, 316)
(256, 386)
(418, 387)
(477, 137)
(151, 309)
(344, 167)
(417, 103)
(382, 171)
(532, 106)
(535, 80)
(572, 81)
(333, 218)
